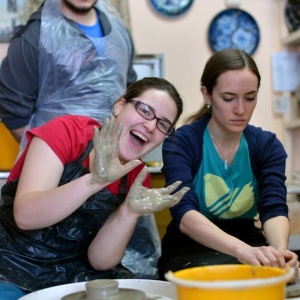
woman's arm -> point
(277, 231)
(203, 231)
(108, 247)
(200, 229)
(39, 202)
(273, 211)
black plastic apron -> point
(56, 255)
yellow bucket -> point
(234, 282)
(9, 149)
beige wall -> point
(183, 41)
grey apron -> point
(73, 77)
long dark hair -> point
(219, 63)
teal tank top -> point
(226, 193)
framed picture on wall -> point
(14, 13)
(148, 65)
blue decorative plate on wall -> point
(171, 8)
(234, 28)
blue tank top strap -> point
(226, 193)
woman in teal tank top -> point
(236, 175)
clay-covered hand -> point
(144, 201)
(106, 165)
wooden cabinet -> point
(163, 217)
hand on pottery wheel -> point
(144, 201)
(106, 165)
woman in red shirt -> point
(75, 195)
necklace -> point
(224, 157)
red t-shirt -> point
(68, 137)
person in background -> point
(235, 171)
(75, 195)
(72, 57)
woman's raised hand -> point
(106, 165)
(144, 201)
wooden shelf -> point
(162, 217)
(292, 39)
(292, 124)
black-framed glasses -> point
(148, 113)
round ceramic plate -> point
(234, 28)
(154, 289)
(171, 8)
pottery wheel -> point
(293, 290)
(106, 289)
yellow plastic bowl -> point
(234, 282)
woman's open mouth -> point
(137, 139)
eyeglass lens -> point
(145, 111)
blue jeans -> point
(8, 291)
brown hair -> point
(140, 86)
(219, 63)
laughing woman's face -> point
(140, 136)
